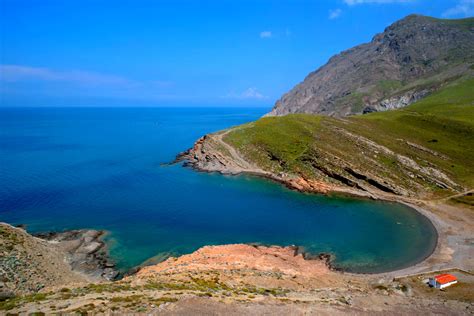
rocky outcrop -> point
(204, 156)
(85, 252)
(29, 264)
(396, 102)
(286, 260)
(210, 153)
(409, 60)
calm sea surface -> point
(100, 168)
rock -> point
(5, 294)
(87, 253)
(368, 109)
(110, 274)
(89, 247)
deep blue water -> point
(101, 168)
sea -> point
(108, 169)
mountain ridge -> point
(409, 60)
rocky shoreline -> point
(86, 252)
(33, 263)
(204, 157)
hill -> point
(411, 59)
(424, 150)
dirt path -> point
(234, 153)
(246, 166)
(458, 195)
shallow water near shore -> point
(101, 168)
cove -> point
(70, 168)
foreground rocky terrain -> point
(235, 280)
(408, 61)
(28, 264)
(85, 251)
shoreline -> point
(239, 277)
(85, 250)
(431, 262)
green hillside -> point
(424, 149)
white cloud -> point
(354, 2)
(464, 8)
(334, 14)
(249, 94)
(252, 93)
(14, 73)
(73, 83)
(266, 34)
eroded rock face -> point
(86, 252)
(397, 102)
(410, 59)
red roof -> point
(445, 278)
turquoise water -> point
(101, 168)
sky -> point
(182, 52)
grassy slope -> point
(443, 122)
(466, 23)
(303, 144)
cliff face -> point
(409, 60)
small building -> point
(443, 280)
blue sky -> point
(182, 52)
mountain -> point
(408, 61)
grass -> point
(466, 23)
(127, 299)
(443, 122)
(467, 200)
(9, 237)
(388, 86)
(276, 142)
(17, 301)
(436, 132)
(123, 296)
(355, 100)
(105, 288)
